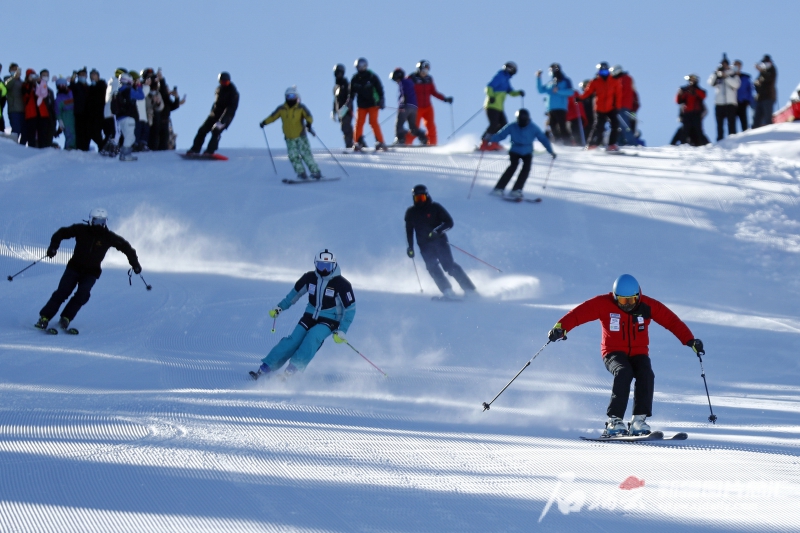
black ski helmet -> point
(361, 64)
(554, 67)
(397, 74)
(523, 117)
(338, 70)
(424, 64)
(224, 77)
(510, 67)
(418, 192)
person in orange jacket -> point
(608, 98)
(424, 89)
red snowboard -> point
(204, 157)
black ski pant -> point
(82, 138)
(596, 137)
(39, 132)
(497, 119)
(741, 113)
(69, 281)
(763, 113)
(625, 369)
(725, 113)
(558, 125)
(95, 131)
(437, 256)
(509, 173)
(347, 129)
(575, 126)
(200, 138)
(693, 129)
(407, 115)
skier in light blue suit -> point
(330, 310)
(523, 132)
(557, 92)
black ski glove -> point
(51, 252)
(410, 252)
(553, 154)
(449, 100)
(311, 130)
(557, 333)
(137, 269)
(697, 346)
(381, 104)
(521, 93)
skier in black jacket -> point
(342, 106)
(367, 89)
(225, 103)
(92, 241)
(430, 221)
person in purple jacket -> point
(406, 109)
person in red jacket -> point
(576, 117)
(625, 315)
(608, 97)
(424, 89)
(39, 111)
(690, 98)
(629, 104)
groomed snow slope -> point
(147, 420)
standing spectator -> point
(95, 109)
(3, 93)
(16, 106)
(690, 98)
(38, 100)
(726, 85)
(342, 106)
(226, 100)
(557, 93)
(110, 129)
(367, 88)
(628, 107)
(496, 92)
(424, 89)
(154, 111)
(142, 129)
(744, 95)
(588, 108)
(127, 112)
(406, 109)
(576, 117)
(607, 91)
(765, 92)
(171, 102)
(80, 89)
(65, 113)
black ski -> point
(446, 299)
(654, 436)
(520, 200)
(309, 180)
(49, 331)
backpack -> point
(115, 103)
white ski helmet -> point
(125, 78)
(325, 262)
(291, 93)
(98, 217)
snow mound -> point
(778, 140)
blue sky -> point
(268, 46)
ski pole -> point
(417, 273)
(367, 360)
(552, 160)
(331, 153)
(713, 417)
(274, 321)
(452, 121)
(472, 256)
(130, 276)
(475, 177)
(486, 406)
(464, 124)
(387, 118)
(270, 151)
(11, 278)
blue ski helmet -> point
(627, 292)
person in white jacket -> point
(142, 126)
(726, 83)
(111, 147)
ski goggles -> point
(291, 96)
(98, 221)
(326, 267)
(628, 300)
(419, 198)
(603, 72)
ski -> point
(204, 157)
(654, 436)
(309, 180)
(520, 200)
(618, 152)
(49, 331)
(446, 299)
(70, 331)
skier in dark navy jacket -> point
(330, 310)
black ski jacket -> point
(367, 87)
(91, 245)
(226, 101)
(424, 219)
(341, 94)
(96, 100)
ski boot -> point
(290, 371)
(615, 427)
(302, 176)
(42, 323)
(612, 148)
(449, 294)
(126, 154)
(591, 147)
(515, 194)
(496, 192)
(63, 323)
(109, 148)
(423, 139)
(638, 425)
(380, 146)
(316, 175)
(262, 370)
(360, 144)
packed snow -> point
(148, 421)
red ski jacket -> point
(424, 89)
(691, 99)
(626, 332)
(608, 91)
(628, 91)
(575, 110)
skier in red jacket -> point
(424, 89)
(625, 315)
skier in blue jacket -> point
(523, 132)
(330, 310)
(496, 92)
(557, 92)
(744, 95)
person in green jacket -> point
(496, 92)
(296, 119)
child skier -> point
(65, 113)
(625, 315)
(523, 132)
(296, 118)
(330, 310)
(92, 241)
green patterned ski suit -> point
(299, 152)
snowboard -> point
(309, 180)
(654, 436)
(520, 200)
(204, 157)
